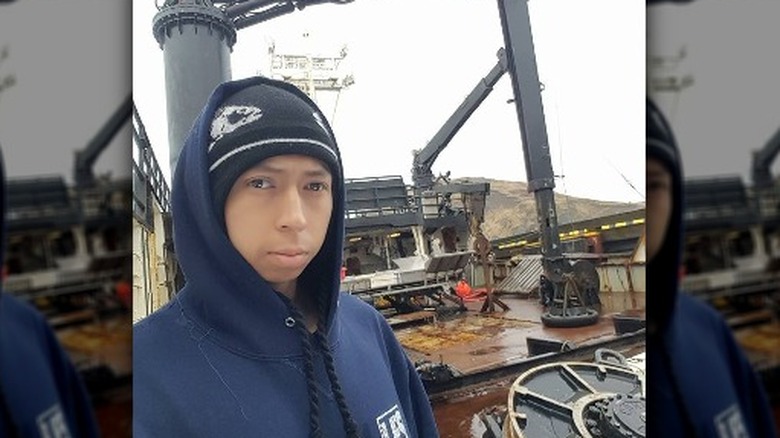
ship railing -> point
(148, 181)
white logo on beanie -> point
(232, 117)
(318, 119)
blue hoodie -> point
(41, 394)
(221, 359)
(700, 384)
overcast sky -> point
(415, 61)
(408, 83)
(733, 106)
(72, 70)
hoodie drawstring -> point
(330, 367)
(350, 426)
(308, 363)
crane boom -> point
(763, 159)
(424, 159)
(85, 158)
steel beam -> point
(521, 63)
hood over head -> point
(244, 122)
(665, 266)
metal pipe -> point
(196, 39)
(246, 6)
(265, 15)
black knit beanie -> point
(262, 121)
(661, 143)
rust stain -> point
(455, 418)
(762, 339)
(472, 328)
(474, 342)
(109, 342)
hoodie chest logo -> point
(729, 424)
(51, 423)
(391, 424)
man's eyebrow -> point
(317, 172)
(658, 173)
(321, 171)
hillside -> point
(511, 208)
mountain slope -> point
(511, 209)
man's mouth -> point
(289, 258)
(289, 252)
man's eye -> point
(657, 185)
(260, 183)
(317, 186)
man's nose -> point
(291, 210)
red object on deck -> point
(463, 289)
(124, 291)
(467, 294)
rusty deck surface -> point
(108, 342)
(761, 343)
(473, 342)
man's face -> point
(659, 205)
(277, 215)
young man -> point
(260, 342)
(41, 393)
(700, 382)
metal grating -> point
(523, 278)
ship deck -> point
(474, 344)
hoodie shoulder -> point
(155, 336)
(695, 319)
(20, 313)
(729, 381)
(357, 308)
(696, 310)
(357, 312)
